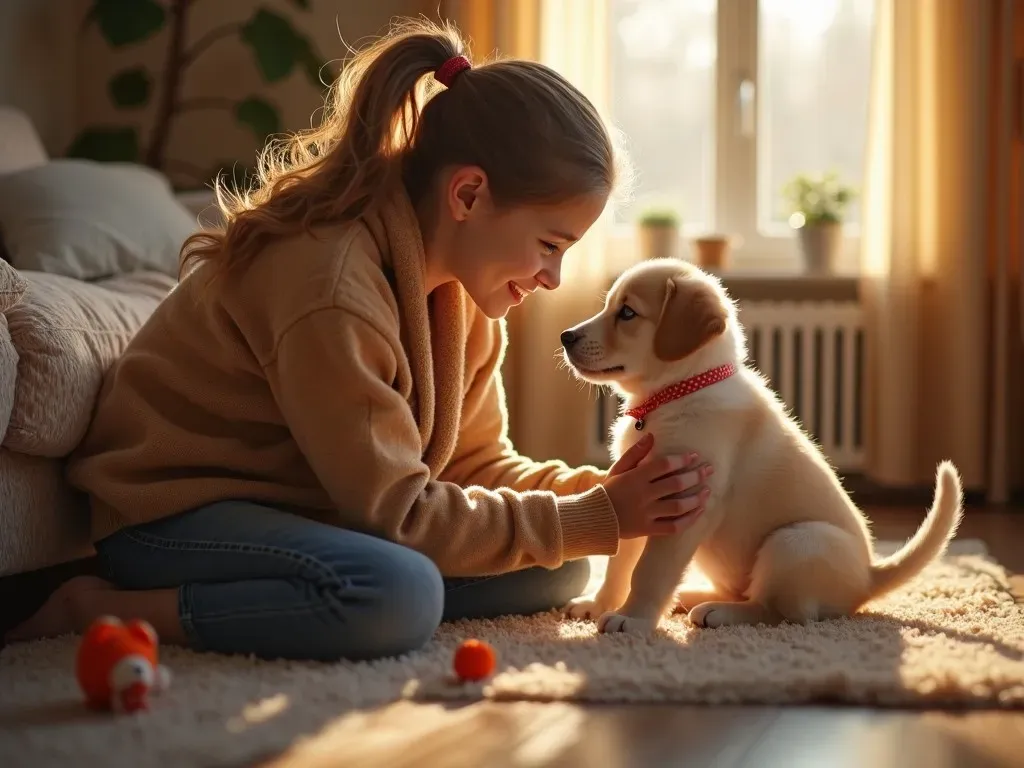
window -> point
(723, 101)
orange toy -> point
(474, 660)
(118, 665)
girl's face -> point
(502, 255)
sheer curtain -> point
(941, 363)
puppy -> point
(779, 538)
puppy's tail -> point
(930, 540)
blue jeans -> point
(255, 580)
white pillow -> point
(90, 220)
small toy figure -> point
(474, 660)
(118, 665)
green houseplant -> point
(658, 228)
(277, 48)
(817, 206)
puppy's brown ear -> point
(691, 316)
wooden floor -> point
(531, 735)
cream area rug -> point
(955, 636)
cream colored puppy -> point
(779, 537)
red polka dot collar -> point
(678, 390)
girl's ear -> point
(465, 190)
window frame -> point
(736, 179)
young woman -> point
(303, 453)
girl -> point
(303, 453)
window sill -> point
(773, 273)
(795, 285)
(749, 282)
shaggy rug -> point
(955, 636)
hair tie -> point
(447, 72)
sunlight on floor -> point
(258, 713)
(599, 565)
(525, 734)
(545, 739)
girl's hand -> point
(664, 496)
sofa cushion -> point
(20, 145)
(12, 286)
(45, 521)
(91, 220)
(67, 333)
(8, 376)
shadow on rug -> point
(954, 636)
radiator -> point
(812, 352)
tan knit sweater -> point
(322, 380)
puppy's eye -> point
(626, 313)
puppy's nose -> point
(568, 338)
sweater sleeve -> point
(484, 455)
(332, 377)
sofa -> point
(89, 252)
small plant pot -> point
(713, 253)
(820, 245)
(658, 241)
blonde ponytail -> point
(385, 122)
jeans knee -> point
(408, 606)
(569, 581)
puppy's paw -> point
(703, 616)
(711, 615)
(687, 599)
(584, 608)
(615, 622)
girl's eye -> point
(549, 248)
(626, 313)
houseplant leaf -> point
(279, 48)
(259, 116)
(109, 144)
(130, 87)
(274, 43)
(123, 22)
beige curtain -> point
(497, 26)
(940, 283)
(551, 414)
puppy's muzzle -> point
(569, 339)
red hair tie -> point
(447, 72)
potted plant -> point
(713, 251)
(659, 233)
(818, 206)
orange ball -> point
(475, 660)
